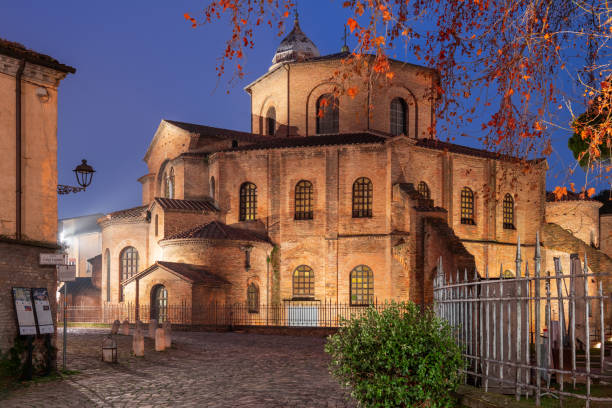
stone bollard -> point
(125, 328)
(115, 327)
(141, 326)
(160, 340)
(138, 342)
(152, 327)
(168, 333)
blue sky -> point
(139, 62)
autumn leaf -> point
(591, 191)
(352, 91)
(560, 192)
(352, 24)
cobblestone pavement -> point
(201, 370)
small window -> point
(327, 114)
(128, 262)
(248, 202)
(169, 184)
(108, 275)
(423, 190)
(398, 117)
(362, 198)
(362, 286)
(303, 200)
(303, 282)
(212, 187)
(253, 298)
(271, 121)
(156, 224)
(467, 206)
(508, 212)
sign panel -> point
(52, 259)
(25, 313)
(66, 273)
(43, 310)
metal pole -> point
(587, 339)
(518, 262)
(536, 289)
(561, 306)
(65, 324)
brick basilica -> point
(330, 199)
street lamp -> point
(84, 173)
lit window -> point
(248, 202)
(169, 184)
(128, 263)
(327, 114)
(398, 117)
(508, 212)
(271, 121)
(362, 286)
(423, 190)
(303, 200)
(253, 298)
(467, 206)
(362, 198)
(303, 282)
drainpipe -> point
(18, 191)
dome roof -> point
(295, 47)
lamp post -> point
(84, 173)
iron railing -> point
(530, 334)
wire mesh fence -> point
(534, 334)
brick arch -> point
(265, 105)
(400, 91)
(314, 94)
(160, 178)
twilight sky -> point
(139, 62)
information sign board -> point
(66, 273)
(25, 313)
(43, 310)
(52, 259)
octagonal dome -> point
(295, 47)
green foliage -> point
(580, 146)
(400, 357)
(12, 362)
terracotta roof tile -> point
(186, 205)
(218, 230)
(308, 141)
(469, 151)
(78, 285)
(16, 50)
(136, 212)
(221, 133)
(194, 273)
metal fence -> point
(286, 314)
(531, 335)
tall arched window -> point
(423, 190)
(508, 212)
(398, 117)
(467, 206)
(362, 198)
(271, 121)
(212, 187)
(328, 114)
(248, 202)
(159, 303)
(108, 275)
(362, 285)
(303, 200)
(253, 298)
(169, 184)
(128, 262)
(156, 224)
(303, 281)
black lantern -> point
(84, 173)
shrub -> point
(400, 357)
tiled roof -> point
(570, 196)
(78, 285)
(308, 141)
(136, 212)
(194, 273)
(215, 132)
(16, 50)
(185, 205)
(218, 230)
(469, 151)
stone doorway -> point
(159, 303)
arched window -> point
(303, 200)
(271, 121)
(327, 114)
(362, 285)
(423, 190)
(169, 184)
(248, 202)
(108, 275)
(398, 117)
(467, 206)
(303, 282)
(159, 303)
(212, 187)
(253, 298)
(156, 224)
(362, 198)
(508, 212)
(128, 262)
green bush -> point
(400, 357)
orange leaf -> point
(352, 24)
(591, 191)
(352, 91)
(187, 16)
